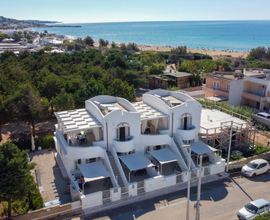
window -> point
(267, 207)
(90, 160)
(261, 210)
(262, 165)
(216, 85)
(186, 121)
(228, 87)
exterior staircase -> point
(115, 170)
(194, 172)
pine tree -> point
(15, 178)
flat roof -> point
(221, 75)
(75, 120)
(148, 112)
(212, 118)
(105, 108)
(176, 74)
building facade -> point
(124, 148)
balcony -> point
(124, 146)
(187, 134)
(254, 97)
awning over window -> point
(93, 171)
(136, 161)
(164, 155)
(201, 148)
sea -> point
(217, 35)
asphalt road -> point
(220, 200)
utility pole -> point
(229, 150)
(198, 204)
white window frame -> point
(216, 85)
(228, 87)
(189, 121)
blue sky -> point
(137, 10)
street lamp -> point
(188, 147)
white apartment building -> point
(123, 149)
(253, 90)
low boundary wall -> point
(50, 212)
(244, 161)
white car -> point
(254, 208)
(255, 167)
(264, 115)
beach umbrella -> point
(33, 143)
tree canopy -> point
(16, 181)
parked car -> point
(263, 114)
(254, 208)
(255, 167)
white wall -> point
(94, 110)
(217, 167)
(159, 182)
(91, 200)
(114, 118)
(192, 107)
(132, 189)
(115, 193)
(235, 93)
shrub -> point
(45, 142)
(264, 216)
(260, 149)
(235, 157)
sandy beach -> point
(203, 51)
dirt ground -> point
(19, 129)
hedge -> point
(44, 142)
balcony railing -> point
(189, 134)
(254, 97)
(124, 146)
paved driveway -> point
(54, 185)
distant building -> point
(158, 82)
(253, 90)
(217, 84)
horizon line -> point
(97, 22)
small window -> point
(216, 85)
(228, 87)
(262, 165)
(261, 210)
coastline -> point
(212, 53)
(202, 51)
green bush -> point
(235, 157)
(260, 149)
(228, 108)
(44, 142)
(265, 216)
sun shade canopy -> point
(201, 148)
(136, 161)
(164, 155)
(76, 120)
(93, 171)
